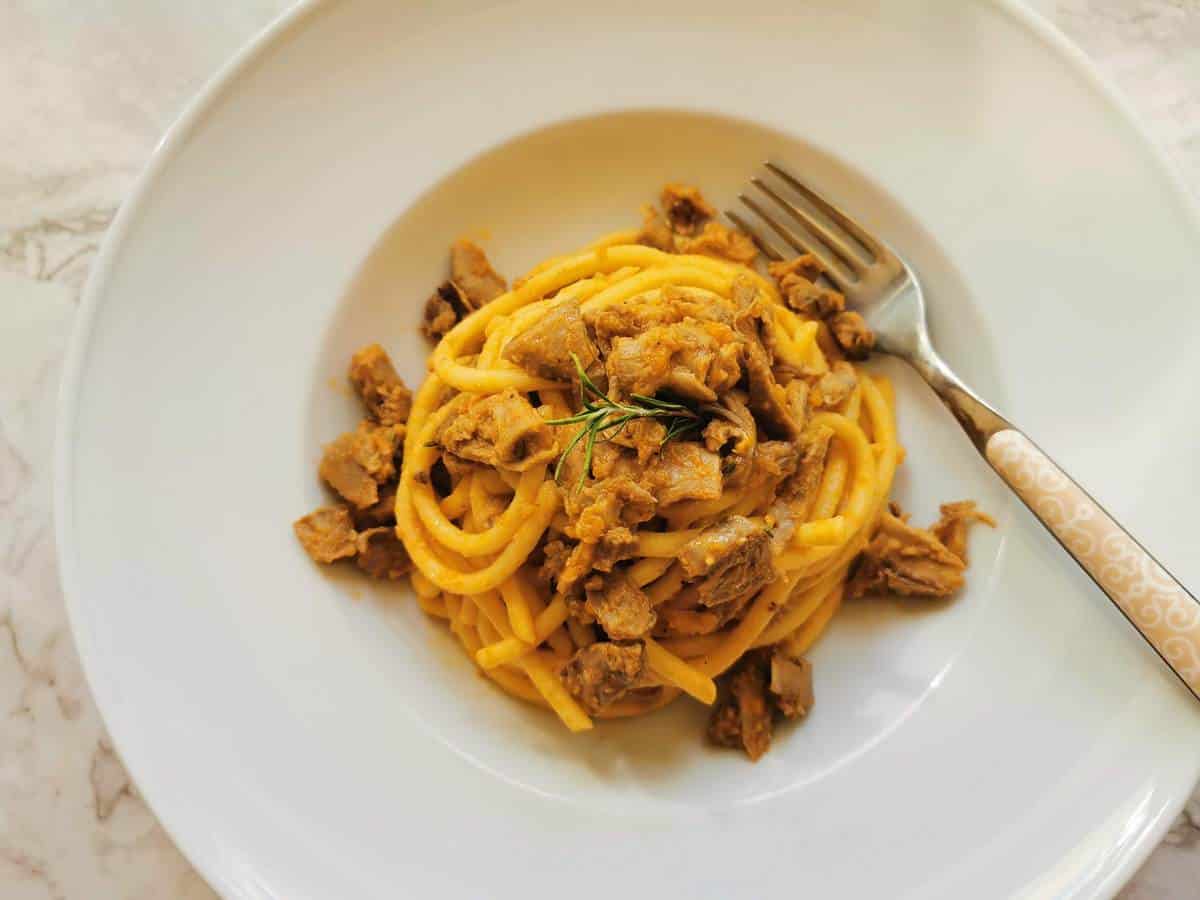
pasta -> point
(635, 468)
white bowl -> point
(303, 733)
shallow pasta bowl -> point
(306, 735)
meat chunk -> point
(501, 430)
(655, 232)
(554, 561)
(684, 470)
(610, 459)
(602, 673)
(725, 435)
(797, 284)
(613, 501)
(327, 534)
(382, 511)
(732, 557)
(834, 386)
(957, 518)
(814, 448)
(620, 606)
(473, 283)
(720, 241)
(742, 717)
(383, 393)
(904, 560)
(791, 683)
(644, 436)
(685, 208)
(359, 461)
(602, 517)
(691, 359)
(382, 555)
(444, 309)
(473, 274)
(768, 400)
(634, 315)
(546, 348)
(776, 460)
(852, 334)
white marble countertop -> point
(89, 88)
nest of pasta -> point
(644, 467)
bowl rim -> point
(188, 121)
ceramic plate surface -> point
(305, 734)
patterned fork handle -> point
(1157, 605)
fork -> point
(883, 288)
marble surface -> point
(89, 88)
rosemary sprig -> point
(602, 418)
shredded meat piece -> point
(601, 517)
(957, 518)
(645, 436)
(359, 461)
(797, 391)
(382, 555)
(791, 683)
(796, 278)
(720, 241)
(742, 717)
(635, 315)
(474, 275)
(905, 560)
(655, 232)
(554, 561)
(776, 460)
(603, 504)
(852, 334)
(814, 447)
(763, 686)
(546, 347)
(773, 463)
(602, 673)
(444, 309)
(722, 435)
(382, 511)
(768, 400)
(327, 534)
(686, 208)
(620, 606)
(617, 544)
(610, 459)
(501, 430)
(684, 470)
(473, 283)
(733, 434)
(834, 386)
(695, 360)
(383, 393)
(732, 557)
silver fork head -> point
(876, 282)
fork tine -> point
(855, 230)
(759, 241)
(828, 237)
(831, 269)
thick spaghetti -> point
(635, 467)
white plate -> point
(307, 735)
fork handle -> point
(1156, 604)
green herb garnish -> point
(603, 417)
